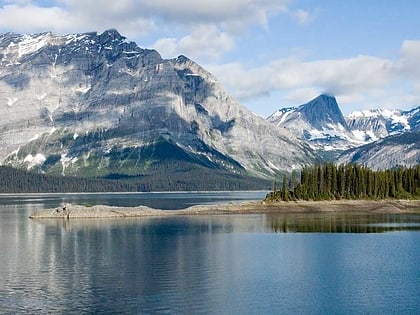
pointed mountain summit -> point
(99, 105)
(320, 122)
(322, 112)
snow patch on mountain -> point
(33, 161)
(397, 150)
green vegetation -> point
(167, 176)
(351, 181)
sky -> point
(268, 54)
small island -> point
(249, 207)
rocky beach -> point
(70, 211)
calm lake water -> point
(228, 264)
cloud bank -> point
(208, 30)
(135, 17)
(357, 79)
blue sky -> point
(267, 53)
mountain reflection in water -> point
(205, 264)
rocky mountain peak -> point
(321, 111)
(17, 48)
(320, 122)
(91, 104)
(112, 34)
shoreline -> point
(391, 206)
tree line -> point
(349, 181)
(171, 176)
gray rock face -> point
(322, 112)
(372, 125)
(94, 104)
(392, 151)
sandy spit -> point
(251, 207)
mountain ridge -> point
(357, 136)
(89, 103)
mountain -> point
(371, 125)
(98, 105)
(379, 138)
(319, 122)
(398, 150)
(392, 138)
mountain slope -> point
(96, 104)
(371, 125)
(392, 151)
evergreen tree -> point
(352, 181)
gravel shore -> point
(71, 211)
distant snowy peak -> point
(320, 122)
(371, 125)
(375, 113)
(322, 109)
(322, 112)
(280, 115)
(413, 116)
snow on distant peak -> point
(361, 114)
(32, 43)
(75, 38)
(395, 117)
(368, 113)
(32, 161)
(278, 116)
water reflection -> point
(254, 223)
(343, 223)
(89, 266)
(226, 264)
(220, 264)
(163, 200)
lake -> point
(225, 264)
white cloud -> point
(33, 18)
(408, 63)
(221, 12)
(207, 29)
(301, 95)
(201, 29)
(135, 17)
(367, 80)
(334, 76)
(70, 16)
(302, 16)
(205, 42)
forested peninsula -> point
(350, 181)
(315, 183)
